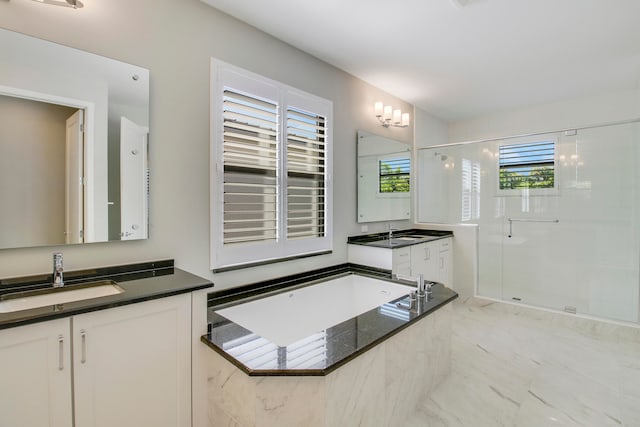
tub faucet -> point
(391, 230)
(58, 268)
(423, 287)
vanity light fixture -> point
(390, 117)
(75, 4)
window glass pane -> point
(394, 175)
(530, 165)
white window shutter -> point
(306, 158)
(250, 162)
(270, 170)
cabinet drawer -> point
(403, 269)
(445, 245)
(401, 255)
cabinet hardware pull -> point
(83, 337)
(60, 353)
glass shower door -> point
(587, 261)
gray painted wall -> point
(175, 39)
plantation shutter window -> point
(306, 134)
(471, 175)
(250, 168)
(271, 168)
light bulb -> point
(387, 112)
(378, 108)
(397, 117)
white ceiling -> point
(459, 61)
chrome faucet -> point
(391, 230)
(423, 287)
(58, 268)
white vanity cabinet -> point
(424, 260)
(401, 261)
(131, 367)
(35, 377)
(397, 260)
(433, 259)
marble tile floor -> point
(517, 366)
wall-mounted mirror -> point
(384, 178)
(73, 145)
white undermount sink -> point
(52, 296)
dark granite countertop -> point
(400, 239)
(328, 349)
(141, 282)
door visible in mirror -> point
(61, 115)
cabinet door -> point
(35, 379)
(444, 274)
(424, 260)
(445, 262)
(401, 261)
(133, 365)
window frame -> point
(528, 192)
(239, 255)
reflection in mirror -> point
(73, 145)
(384, 176)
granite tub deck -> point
(369, 370)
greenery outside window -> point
(394, 175)
(527, 166)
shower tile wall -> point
(588, 261)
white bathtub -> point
(290, 316)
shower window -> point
(528, 165)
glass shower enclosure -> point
(557, 215)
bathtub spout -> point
(423, 287)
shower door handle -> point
(512, 220)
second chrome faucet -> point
(58, 268)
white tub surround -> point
(370, 369)
(317, 345)
(379, 388)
